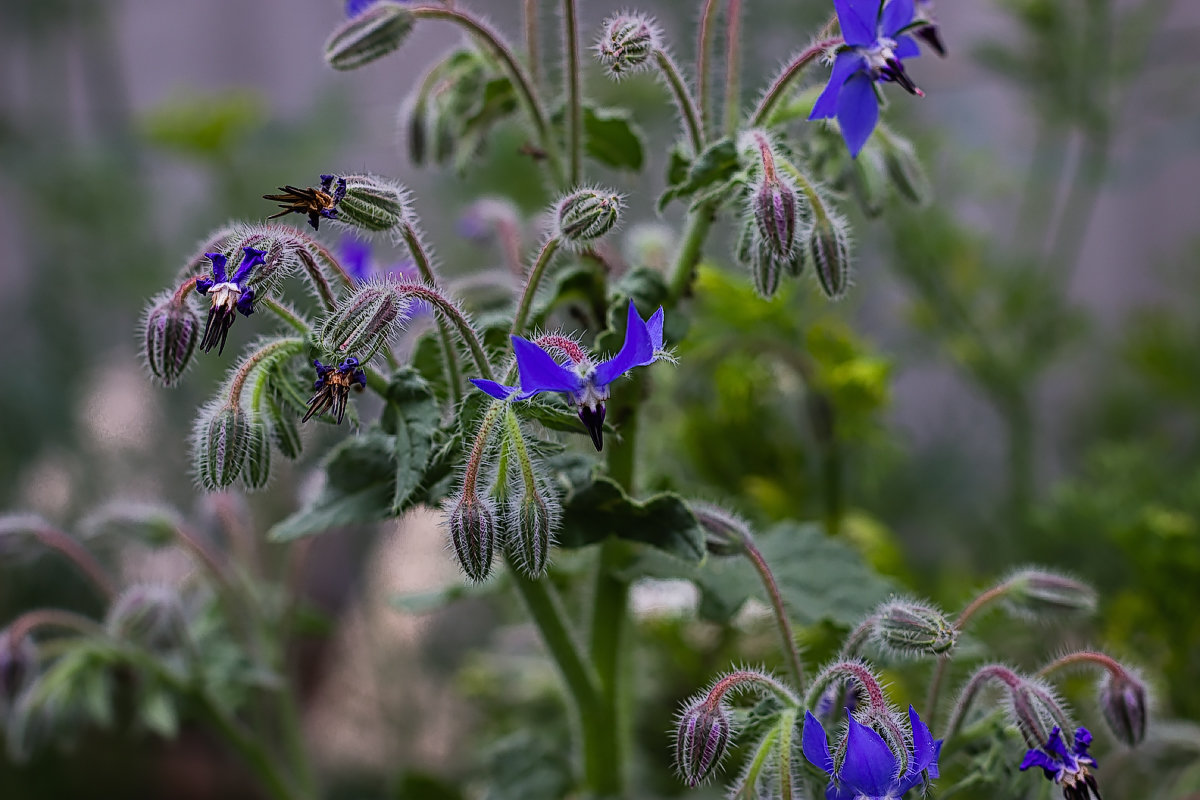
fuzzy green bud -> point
(905, 170)
(472, 522)
(258, 453)
(914, 628)
(373, 203)
(285, 433)
(222, 440)
(532, 519)
(372, 34)
(1123, 703)
(363, 322)
(627, 44)
(702, 736)
(150, 616)
(1039, 593)
(170, 331)
(587, 214)
(828, 249)
(725, 534)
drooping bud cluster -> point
(827, 248)
(1123, 702)
(913, 628)
(627, 44)
(363, 321)
(1040, 593)
(702, 736)
(170, 332)
(149, 615)
(369, 35)
(532, 511)
(587, 214)
(472, 522)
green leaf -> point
(601, 509)
(158, 713)
(717, 164)
(359, 487)
(411, 416)
(611, 138)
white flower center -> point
(225, 295)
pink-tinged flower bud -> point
(18, 669)
(472, 522)
(1039, 593)
(702, 736)
(372, 34)
(914, 628)
(1123, 703)
(829, 251)
(221, 441)
(587, 214)
(627, 44)
(150, 616)
(775, 215)
(170, 332)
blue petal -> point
(354, 8)
(857, 112)
(245, 303)
(218, 266)
(897, 14)
(1036, 758)
(846, 64)
(654, 325)
(251, 258)
(638, 351)
(540, 372)
(496, 390)
(355, 255)
(816, 746)
(924, 749)
(835, 792)
(1055, 745)
(870, 767)
(857, 20)
(906, 47)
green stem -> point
(574, 92)
(790, 651)
(531, 285)
(787, 728)
(698, 223)
(449, 353)
(532, 52)
(784, 79)
(520, 79)
(683, 99)
(254, 754)
(746, 790)
(733, 87)
(708, 22)
(289, 316)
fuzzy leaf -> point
(411, 416)
(716, 165)
(612, 139)
(601, 509)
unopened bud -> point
(1039, 593)
(363, 322)
(905, 170)
(588, 214)
(170, 331)
(724, 533)
(18, 669)
(775, 215)
(829, 251)
(373, 203)
(372, 34)
(531, 524)
(1123, 703)
(1035, 710)
(914, 628)
(701, 738)
(222, 439)
(627, 43)
(258, 454)
(472, 524)
(149, 615)
(285, 433)
(766, 267)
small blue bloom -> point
(356, 7)
(874, 49)
(870, 771)
(1068, 769)
(228, 294)
(585, 383)
(332, 388)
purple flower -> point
(1069, 769)
(870, 771)
(332, 388)
(584, 382)
(874, 48)
(228, 294)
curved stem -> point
(1091, 657)
(742, 678)
(449, 354)
(783, 80)
(288, 315)
(708, 21)
(457, 319)
(754, 768)
(698, 224)
(846, 669)
(23, 625)
(574, 100)
(531, 285)
(683, 99)
(523, 83)
(78, 555)
(790, 651)
(994, 672)
(857, 638)
(733, 87)
(238, 382)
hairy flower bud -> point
(1038, 593)
(472, 522)
(905, 170)
(774, 205)
(532, 520)
(702, 736)
(627, 44)
(371, 34)
(258, 453)
(587, 214)
(149, 615)
(221, 441)
(766, 267)
(914, 628)
(18, 669)
(1123, 703)
(829, 251)
(285, 433)
(363, 322)
(1035, 709)
(373, 203)
(725, 534)
(170, 331)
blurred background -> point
(1014, 377)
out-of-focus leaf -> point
(526, 766)
(602, 509)
(205, 126)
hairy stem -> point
(574, 91)
(779, 86)
(449, 353)
(78, 555)
(1083, 657)
(25, 624)
(790, 652)
(699, 222)
(545, 256)
(733, 64)
(683, 99)
(708, 22)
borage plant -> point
(479, 423)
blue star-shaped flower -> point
(874, 49)
(584, 382)
(1069, 769)
(870, 770)
(228, 294)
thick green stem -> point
(683, 99)
(545, 256)
(698, 224)
(289, 316)
(252, 752)
(574, 92)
